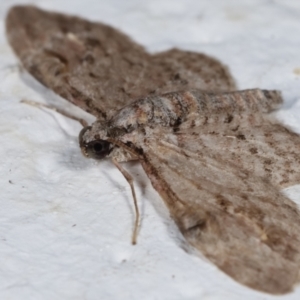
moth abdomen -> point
(247, 101)
(172, 109)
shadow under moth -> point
(215, 156)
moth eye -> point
(98, 149)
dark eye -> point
(98, 149)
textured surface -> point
(53, 188)
(173, 112)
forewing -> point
(268, 150)
(100, 69)
(238, 127)
(237, 219)
(177, 70)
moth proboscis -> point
(214, 155)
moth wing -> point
(97, 67)
(179, 70)
(237, 219)
(267, 149)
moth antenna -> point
(129, 179)
(83, 122)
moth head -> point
(94, 145)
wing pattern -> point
(100, 69)
(225, 205)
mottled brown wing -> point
(230, 211)
(100, 69)
(268, 150)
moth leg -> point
(122, 155)
(83, 122)
(129, 179)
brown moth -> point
(215, 156)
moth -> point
(215, 155)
